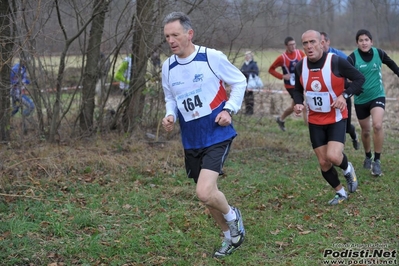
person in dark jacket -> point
(250, 67)
(19, 79)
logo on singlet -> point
(177, 83)
(315, 85)
(198, 77)
(195, 114)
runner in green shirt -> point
(370, 105)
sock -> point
(368, 155)
(331, 176)
(377, 156)
(342, 192)
(348, 169)
(227, 234)
(344, 164)
(352, 132)
(230, 216)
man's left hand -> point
(339, 103)
(223, 119)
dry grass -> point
(29, 157)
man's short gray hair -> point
(180, 16)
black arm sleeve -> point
(346, 70)
(298, 90)
(388, 61)
(351, 59)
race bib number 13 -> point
(193, 105)
(318, 101)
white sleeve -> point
(231, 76)
(170, 100)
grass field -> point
(125, 200)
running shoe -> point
(355, 142)
(351, 179)
(237, 229)
(338, 199)
(367, 163)
(226, 249)
(376, 168)
(280, 123)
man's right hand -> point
(298, 108)
(168, 123)
(287, 76)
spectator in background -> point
(19, 79)
(123, 74)
(249, 68)
(104, 65)
(287, 62)
(370, 105)
(350, 129)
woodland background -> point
(64, 40)
(88, 182)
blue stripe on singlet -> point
(199, 57)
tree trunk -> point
(6, 39)
(143, 38)
(55, 120)
(91, 73)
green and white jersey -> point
(373, 87)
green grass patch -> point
(133, 205)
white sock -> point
(227, 234)
(342, 192)
(348, 169)
(230, 216)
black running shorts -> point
(320, 135)
(364, 110)
(211, 158)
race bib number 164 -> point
(193, 105)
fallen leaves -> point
(281, 244)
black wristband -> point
(230, 112)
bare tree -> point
(91, 73)
(6, 47)
(55, 121)
(55, 33)
(143, 38)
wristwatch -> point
(230, 112)
(345, 95)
